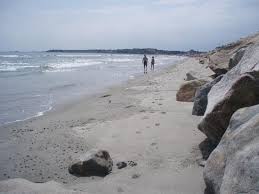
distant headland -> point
(148, 51)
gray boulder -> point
(187, 90)
(93, 164)
(236, 58)
(233, 167)
(201, 97)
(237, 89)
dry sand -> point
(138, 121)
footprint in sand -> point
(105, 96)
(145, 117)
(130, 106)
(132, 163)
(135, 176)
(120, 190)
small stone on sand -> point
(135, 176)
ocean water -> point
(33, 83)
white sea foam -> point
(71, 65)
(5, 68)
(79, 55)
(9, 56)
(8, 68)
(119, 60)
(25, 56)
(132, 77)
(38, 114)
(15, 63)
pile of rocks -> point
(230, 110)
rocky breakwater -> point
(233, 167)
(230, 105)
(238, 88)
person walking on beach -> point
(145, 61)
(153, 63)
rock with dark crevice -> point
(236, 57)
(233, 167)
(201, 97)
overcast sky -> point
(28, 25)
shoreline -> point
(135, 111)
(76, 100)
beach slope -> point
(139, 121)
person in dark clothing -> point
(145, 62)
(153, 63)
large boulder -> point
(233, 167)
(96, 163)
(217, 69)
(187, 90)
(201, 97)
(237, 89)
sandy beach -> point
(138, 121)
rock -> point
(237, 89)
(190, 76)
(132, 163)
(98, 163)
(233, 167)
(121, 165)
(219, 58)
(202, 163)
(19, 185)
(236, 57)
(206, 147)
(219, 70)
(106, 95)
(201, 97)
(187, 90)
(201, 61)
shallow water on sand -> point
(33, 83)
